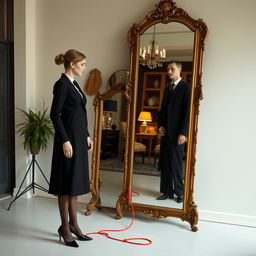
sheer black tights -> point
(68, 215)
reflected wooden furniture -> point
(156, 153)
(165, 12)
(187, 76)
(138, 147)
(149, 137)
(109, 143)
(152, 92)
(157, 149)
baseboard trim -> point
(5, 196)
(27, 195)
(227, 218)
(204, 215)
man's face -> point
(173, 71)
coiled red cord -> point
(126, 240)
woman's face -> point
(78, 68)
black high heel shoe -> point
(67, 243)
(81, 238)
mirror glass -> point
(113, 142)
(118, 77)
(175, 41)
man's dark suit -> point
(174, 117)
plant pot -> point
(34, 150)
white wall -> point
(225, 170)
(226, 175)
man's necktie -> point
(172, 86)
(169, 92)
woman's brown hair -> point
(70, 56)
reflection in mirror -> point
(118, 77)
(111, 164)
(172, 42)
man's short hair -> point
(178, 63)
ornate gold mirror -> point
(166, 34)
(109, 143)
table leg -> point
(150, 148)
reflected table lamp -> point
(144, 117)
(109, 106)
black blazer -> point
(68, 106)
(174, 112)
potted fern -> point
(37, 129)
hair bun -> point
(59, 59)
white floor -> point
(146, 186)
(30, 228)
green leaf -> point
(37, 128)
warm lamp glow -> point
(145, 117)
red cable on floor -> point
(135, 193)
(126, 240)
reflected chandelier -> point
(152, 56)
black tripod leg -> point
(17, 194)
(23, 192)
(33, 185)
(42, 172)
(40, 187)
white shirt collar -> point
(72, 81)
(177, 81)
(70, 78)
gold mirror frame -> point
(95, 182)
(166, 11)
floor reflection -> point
(116, 164)
(146, 182)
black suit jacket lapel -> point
(72, 86)
(80, 90)
(177, 89)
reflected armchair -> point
(138, 147)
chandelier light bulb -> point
(152, 56)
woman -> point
(69, 173)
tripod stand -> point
(33, 184)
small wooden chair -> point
(138, 147)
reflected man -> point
(173, 128)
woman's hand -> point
(90, 144)
(67, 149)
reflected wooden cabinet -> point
(109, 143)
(187, 76)
(152, 92)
